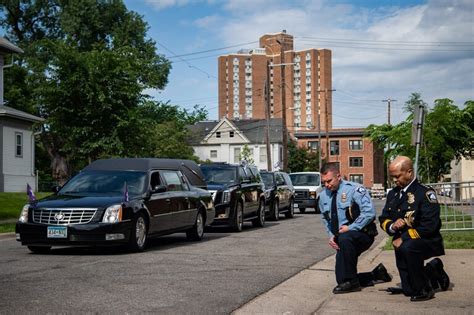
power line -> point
(213, 49)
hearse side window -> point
(155, 180)
(172, 180)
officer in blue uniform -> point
(411, 216)
(348, 213)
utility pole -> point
(319, 135)
(283, 108)
(327, 118)
(388, 101)
(267, 117)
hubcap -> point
(199, 225)
(140, 231)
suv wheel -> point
(275, 212)
(197, 231)
(291, 210)
(238, 218)
(139, 233)
(259, 221)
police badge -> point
(411, 197)
(343, 197)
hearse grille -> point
(63, 216)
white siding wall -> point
(18, 171)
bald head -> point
(401, 171)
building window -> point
(231, 134)
(313, 145)
(263, 155)
(334, 147)
(18, 144)
(355, 144)
(218, 134)
(357, 178)
(236, 155)
(355, 162)
(213, 154)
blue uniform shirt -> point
(347, 193)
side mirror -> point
(55, 189)
(158, 189)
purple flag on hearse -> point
(125, 193)
(30, 193)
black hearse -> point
(120, 201)
(238, 193)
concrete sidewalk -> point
(310, 291)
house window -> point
(355, 144)
(231, 134)
(236, 155)
(18, 144)
(218, 134)
(263, 155)
(355, 162)
(334, 147)
(357, 178)
(213, 154)
(313, 145)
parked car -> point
(238, 194)
(279, 194)
(120, 201)
(307, 189)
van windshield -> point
(106, 183)
(305, 179)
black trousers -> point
(352, 244)
(410, 259)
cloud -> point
(163, 4)
(378, 53)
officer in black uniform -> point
(411, 216)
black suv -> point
(279, 194)
(120, 201)
(238, 194)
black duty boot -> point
(348, 286)
(443, 278)
(380, 274)
(424, 295)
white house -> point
(223, 141)
(17, 143)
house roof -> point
(252, 129)
(6, 111)
(349, 132)
(8, 48)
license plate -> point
(295, 205)
(57, 231)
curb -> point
(6, 236)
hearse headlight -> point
(226, 196)
(113, 214)
(24, 214)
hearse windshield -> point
(105, 183)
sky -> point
(381, 49)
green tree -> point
(247, 155)
(301, 159)
(448, 134)
(85, 67)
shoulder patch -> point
(361, 190)
(431, 196)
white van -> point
(307, 189)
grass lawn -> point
(12, 203)
(452, 240)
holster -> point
(353, 212)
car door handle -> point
(168, 200)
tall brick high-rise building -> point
(307, 83)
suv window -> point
(279, 179)
(219, 175)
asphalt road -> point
(173, 276)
